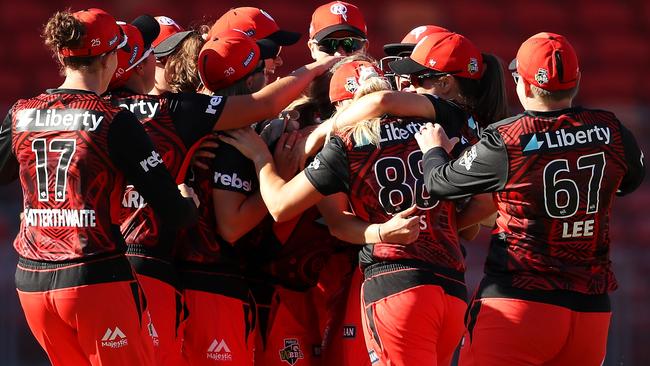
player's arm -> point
(346, 226)
(480, 169)
(198, 114)
(285, 200)
(238, 206)
(479, 209)
(8, 162)
(380, 103)
(635, 164)
(132, 151)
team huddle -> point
(181, 208)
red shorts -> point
(219, 328)
(412, 316)
(292, 336)
(165, 305)
(80, 318)
(346, 346)
(536, 333)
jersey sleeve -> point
(328, 172)
(635, 164)
(133, 153)
(232, 171)
(195, 115)
(8, 162)
(455, 121)
(480, 169)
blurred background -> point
(612, 39)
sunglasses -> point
(349, 44)
(516, 77)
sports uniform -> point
(401, 279)
(71, 252)
(554, 175)
(174, 122)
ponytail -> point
(486, 98)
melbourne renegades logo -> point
(291, 352)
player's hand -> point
(204, 155)
(401, 229)
(433, 135)
(188, 192)
(286, 161)
(322, 64)
(248, 143)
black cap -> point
(149, 28)
(323, 33)
(398, 49)
(168, 46)
(284, 38)
(406, 66)
(268, 49)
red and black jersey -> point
(386, 179)
(174, 122)
(74, 151)
(555, 175)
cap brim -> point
(149, 28)
(513, 65)
(268, 49)
(284, 38)
(168, 46)
(396, 49)
(406, 66)
(323, 33)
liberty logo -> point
(562, 139)
(114, 338)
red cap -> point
(255, 23)
(411, 39)
(228, 57)
(140, 33)
(128, 55)
(101, 34)
(168, 27)
(347, 78)
(445, 53)
(337, 16)
(548, 61)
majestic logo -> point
(219, 351)
(35, 120)
(291, 352)
(472, 67)
(114, 338)
(349, 331)
(417, 32)
(351, 85)
(214, 101)
(542, 76)
(233, 181)
(468, 158)
(151, 161)
(586, 135)
(339, 9)
(134, 54)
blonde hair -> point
(366, 132)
